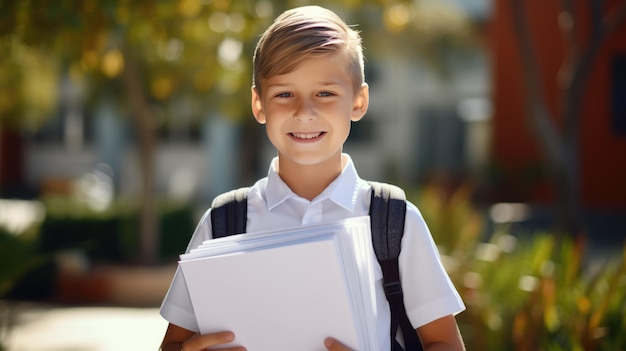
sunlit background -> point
(505, 121)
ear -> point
(257, 106)
(361, 103)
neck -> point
(308, 181)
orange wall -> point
(603, 154)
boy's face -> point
(308, 111)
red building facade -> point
(515, 150)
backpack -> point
(387, 212)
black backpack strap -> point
(387, 214)
(229, 213)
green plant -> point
(17, 256)
(111, 234)
(18, 253)
(536, 292)
(20, 222)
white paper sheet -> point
(287, 290)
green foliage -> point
(539, 292)
(18, 254)
(110, 234)
(17, 257)
(30, 258)
(194, 51)
(28, 85)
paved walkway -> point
(36, 327)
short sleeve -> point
(428, 291)
(176, 307)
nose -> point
(305, 111)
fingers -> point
(202, 342)
(334, 345)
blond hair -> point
(300, 33)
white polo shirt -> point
(428, 292)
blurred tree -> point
(144, 54)
(141, 54)
(558, 133)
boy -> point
(308, 88)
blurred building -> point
(417, 126)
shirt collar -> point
(276, 191)
(342, 191)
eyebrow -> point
(321, 84)
(324, 84)
(276, 85)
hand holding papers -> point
(287, 290)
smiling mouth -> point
(307, 136)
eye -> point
(325, 94)
(283, 95)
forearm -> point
(441, 335)
(172, 346)
(441, 346)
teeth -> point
(306, 135)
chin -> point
(308, 161)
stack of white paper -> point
(287, 290)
